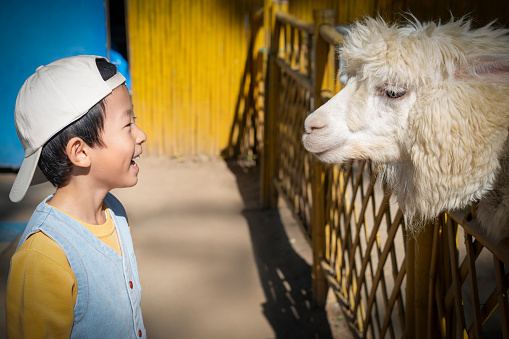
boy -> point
(74, 273)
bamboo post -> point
(432, 318)
(410, 288)
(269, 194)
(319, 63)
(419, 254)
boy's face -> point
(113, 166)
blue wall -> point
(34, 33)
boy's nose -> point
(141, 137)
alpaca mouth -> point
(331, 154)
(320, 150)
(319, 143)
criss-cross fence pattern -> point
(246, 134)
(365, 250)
(468, 281)
(293, 164)
(448, 281)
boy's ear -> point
(78, 152)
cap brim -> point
(38, 177)
(24, 178)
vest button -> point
(131, 284)
(139, 333)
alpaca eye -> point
(394, 94)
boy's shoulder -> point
(41, 245)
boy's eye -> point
(132, 122)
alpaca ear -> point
(430, 29)
(485, 68)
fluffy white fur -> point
(431, 101)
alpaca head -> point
(431, 101)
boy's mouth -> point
(133, 162)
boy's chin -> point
(134, 182)
(129, 183)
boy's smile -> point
(114, 165)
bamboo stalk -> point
(320, 285)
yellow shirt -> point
(42, 288)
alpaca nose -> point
(316, 121)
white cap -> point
(49, 100)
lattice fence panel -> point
(294, 165)
(470, 277)
(365, 258)
(293, 178)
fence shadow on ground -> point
(285, 276)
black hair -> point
(54, 162)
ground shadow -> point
(285, 276)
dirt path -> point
(213, 263)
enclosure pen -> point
(202, 85)
(388, 283)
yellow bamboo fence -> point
(448, 282)
(187, 62)
(192, 73)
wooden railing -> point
(388, 283)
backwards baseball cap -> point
(51, 99)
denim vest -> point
(109, 291)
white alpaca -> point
(432, 103)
